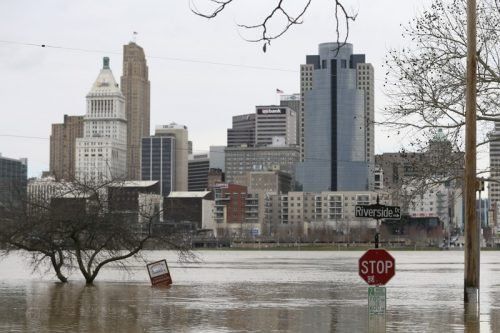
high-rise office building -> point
(275, 122)
(334, 121)
(242, 133)
(366, 82)
(13, 181)
(136, 89)
(180, 133)
(240, 160)
(258, 129)
(437, 161)
(306, 82)
(198, 167)
(102, 152)
(158, 161)
(217, 157)
(293, 102)
(63, 147)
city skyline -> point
(176, 85)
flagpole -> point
(278, 93)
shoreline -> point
(326, 247)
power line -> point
(215, 63)
(180, 149)
(24, 136)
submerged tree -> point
(29, 225)
(89, 224)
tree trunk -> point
(57, 268)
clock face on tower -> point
(103, 83)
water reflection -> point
(257, 292)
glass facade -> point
(198, 174)
(158, 161)
(334, 121)
(13, 181)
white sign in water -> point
(376, 300)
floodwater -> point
(251, 291)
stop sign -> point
(377, 267)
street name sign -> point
(377, 267)
(159, 273)
(378, 211)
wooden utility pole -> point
(471, 283)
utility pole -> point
(471, 281)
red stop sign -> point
(377, 267)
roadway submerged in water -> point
(257, 291)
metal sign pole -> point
(377, 228)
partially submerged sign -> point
(376, 267)
(377, 300)
(159, 273)
(378, 211)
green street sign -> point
(376, 300)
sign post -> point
(376, 267)
(377, 212)
(159, 273)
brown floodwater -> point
(251, 291)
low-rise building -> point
(237, 212)
(301, 212)
(442, 200)
(190, 207)
(266, 181)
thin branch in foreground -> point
(266, 35)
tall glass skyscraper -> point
(335, 121)
(158, 161)
(13, 181)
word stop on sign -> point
(376, 267)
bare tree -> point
(31, 226)
(90, 224)
(426, 81)
(278, 11)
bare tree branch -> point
(265, 33)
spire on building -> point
(105, 83)
(105, 63)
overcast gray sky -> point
(39, 85)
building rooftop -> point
(170, 126)
(192, 194)
(105, 83)
(135, 183)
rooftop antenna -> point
(134, 36)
